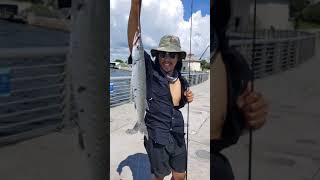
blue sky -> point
(203, 5)
(160, 18)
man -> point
(235, 108)
(167, 92)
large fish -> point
(138, 84)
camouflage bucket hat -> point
(169, 43)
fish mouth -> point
(136, 38)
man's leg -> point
(159, 159)
(156, 178)
(220, 167)
(178, 159)
(177, 175)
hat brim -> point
(154, 52)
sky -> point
(159, 18)
(202, 5)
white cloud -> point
(158, 18)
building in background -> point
(271, 14)
(240, 16)
(11, 8)
(195, 64)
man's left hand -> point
(189, 95)
(254, 108)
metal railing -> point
(268, 34)
(37, 97)
(34, 99)
(120, 90)
(277, 55)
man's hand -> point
(189, 95)
(133, 21)
(254, 108)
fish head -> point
(136, 48)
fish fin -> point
(135, 129)
(131, 131)
(130, 59)
(142, 128)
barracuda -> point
(139, 84)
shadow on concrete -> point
(139, 165)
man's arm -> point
(252, 104)
(218, 97)
(134, 21)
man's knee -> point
(178, 176)
(156, 178)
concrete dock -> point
(59, 156)
(128, 158)
(288, 146)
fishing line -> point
(252, 85)
(204, 51)
(189, 76)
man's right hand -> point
(138, 2)
(134, 21)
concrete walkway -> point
(56, 156)
(128, 158)
(288, 147)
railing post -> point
(297, 52)
(67, 97)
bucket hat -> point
(169, 43)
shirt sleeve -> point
(149, 65)
(148, 62)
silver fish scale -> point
(138, 82)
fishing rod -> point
(204, 52)
(252, 84)
(189, 84)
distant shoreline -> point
(41, 21)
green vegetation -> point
(121, 63)
(32, 1)
(204, 64)
(296, 6)
(42, 10)
(119, 60)
(124, 65)
(305, 15)
(308, 25)
(312, 13)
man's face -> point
(168, 60)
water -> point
(119, 73)
(15, 35)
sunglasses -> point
(163, 54)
